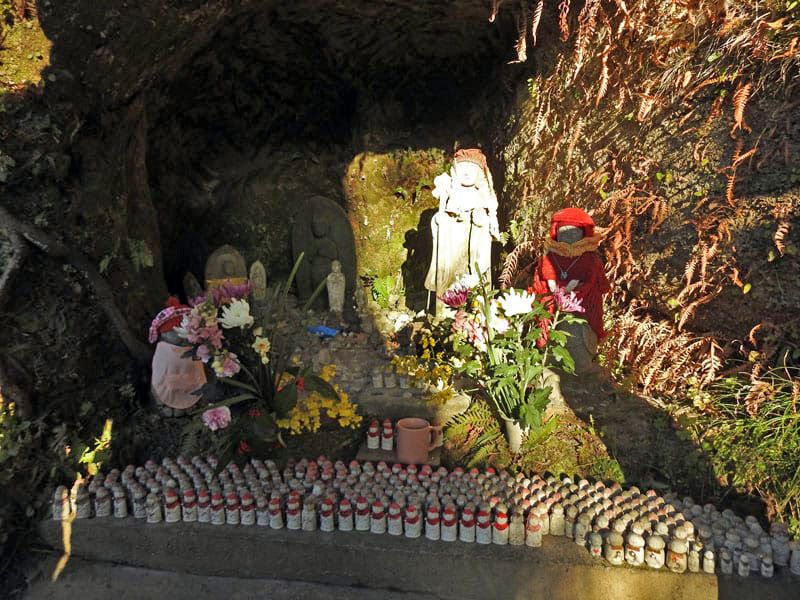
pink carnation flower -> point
(470, 329)
(204, 353)
(217, 418)
(455, 297)
(567, 301)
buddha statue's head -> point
(569, 234)
(320, 224)
(336, 266)
(467, 174)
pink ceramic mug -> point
(415, 439)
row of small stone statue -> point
(624, 526)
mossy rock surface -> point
(390, 203)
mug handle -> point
(437, 437)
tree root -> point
(101, 288)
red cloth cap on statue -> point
(174, 321)
(473, 155)
(574, 217)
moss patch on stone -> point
(390, 203)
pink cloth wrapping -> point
(174, 377)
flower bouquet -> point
(507, 341)
(253, 374)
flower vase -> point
(514, 434)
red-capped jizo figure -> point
(571, 263)
(175, 377)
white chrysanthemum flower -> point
(236, 314)
(514, 303)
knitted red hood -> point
(571, 216)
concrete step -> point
(94, 580)
(364, 561)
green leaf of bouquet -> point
(285, 400)
(238, 384)
(315, 383)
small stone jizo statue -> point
(571, 264)
(336, 284)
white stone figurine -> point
(102, 503)
(172, 506)
(596, 544)
(362, 514)
(294, 520)
(394, 519)
(516, 529)
(139, 501)
(677, 555)
(693, 560)
(744, 564)
(465, 224)
(326, 521)
(153, 507)
(449, 531)
(794, 562)
(533, 530)
(120, 502)
(432, 523)
(308, 517)
(374, 435)
(387, 436)
(557, 525)
(247, 512)
(466, 528)
(232, 510)
(345, 515)
(336, 284)
(83, 505)
(634, 546)
(725, 562)
(708, 562)
(413, 521)
(275, 513)
(500, 526)
(615, 548)
(217, 509)
(377, 518)
(189, 509)
(654, 552)
(767, 568)
(483, 529)
(203, 506)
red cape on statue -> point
(587, 268)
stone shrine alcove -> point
(361, 105)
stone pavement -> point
(222, 561)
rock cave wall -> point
(163, 129)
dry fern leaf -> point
(603, 86)
(495, 7)
(563, 19)
(537, 17)
(522, 34)
(740, 98)
(729, 188)
(780, 235)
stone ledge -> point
(558, 570)
(397, 403)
